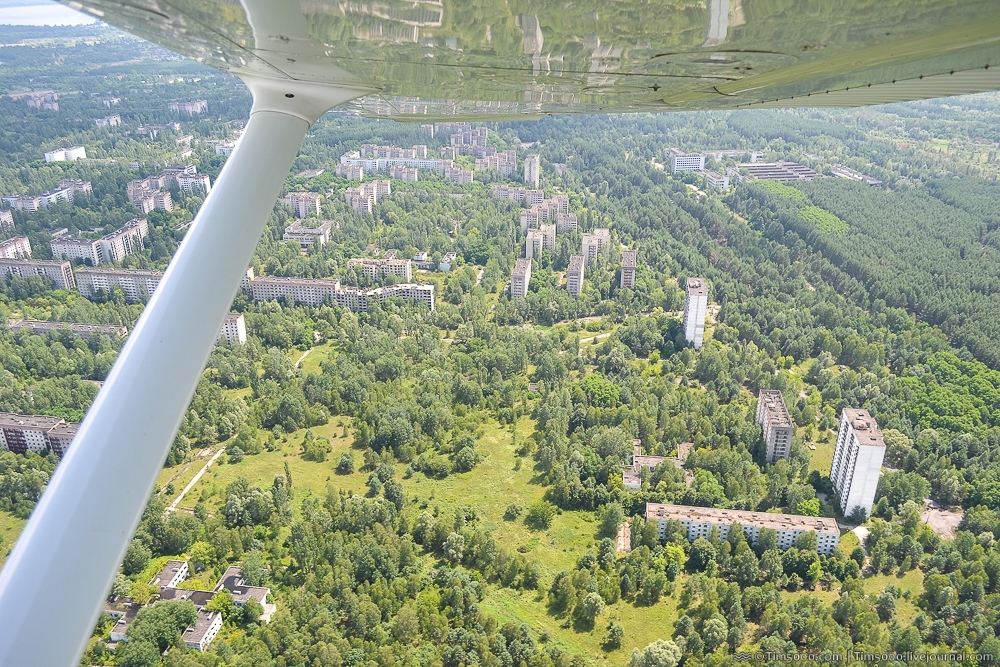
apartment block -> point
(532, 169)
(351, 172)
(194, 183)
(596, 243)
(408, 174)
(123, 241)
(234, 329)
(773, 417)
(456, 175)
(189, 108)
(574, 275)
(518, 194)
(16, 248)
(204, 630)
(504, 161)
(306, 204)
(6, 221)
(59, 272)
(632, 473)
(307, 236)
(375, 269)
(680, 161)
(87, 250)
(520, 278)
(627, 279)
(533, 244)
(35, 433)
(566, 222)
(113, 120)
(66, 154)
(695, 311)
(137, 285)
(699, 522)
(81, 330)
(716, 180)
(30, 203)
(372, 162)
(313, 292)
(857, 461)
(363, 198)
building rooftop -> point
(724, 516)
(777, 413)
(521, 267)
(232, 581)
(41, 422)
(697, 287)
(198, 598)
(575, 263)
(169, 571)
(196, 633)
(628, 259)
(865, 427)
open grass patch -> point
(826, 222)
(10, 528)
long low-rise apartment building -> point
(137, 285)
(374, 268)
(314, 291)
(35, 433)
(699, 522)
(59, 272)
(81, 330)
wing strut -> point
(61, 569)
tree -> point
(610, 517)
(540, 515)
(465, 459)
(136, 557)
(660, 653)
(589, 608)
(254, 571)
(454, 548)
(810, 507)
(345, 466)
(714, 633)
(222, 602)
(121, 586)
(614, 637)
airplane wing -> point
(421, 59)
(493, 59)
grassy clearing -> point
(260, 469)
(783, 190)
(849, 542)
(821, 458)
(642, 625)
(10, 528)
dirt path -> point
(624, 541)
(304, 355)
(177, 500)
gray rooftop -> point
(697, 287)
(865, 427)
(628, 259)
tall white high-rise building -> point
(595, 243)
(695, 309)
(857, 461)
(628, 270)
(534, 243)
(574, 275)
(532, 169)
(520, 278)
(773, 416)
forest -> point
(444, 487)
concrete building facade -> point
(857, 461)
(532, 169)
(35, 433)
(681, 161)
(234, 329)
(87, 250)
(627, 279)
(137, 285)
(595, 243)
(308, 237)
(574, 275)
(374, 269)
(60, 272)
(15, 248)
(520, 278)
(6, 220)
(700, 521)
(773, 417)
(306, 204)
(695, 311)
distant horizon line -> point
(42, 14)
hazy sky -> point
(40, 12)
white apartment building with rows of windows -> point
(695, 311)
(700, 521)
(857, 461)
(520, 278)
(773, 416)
